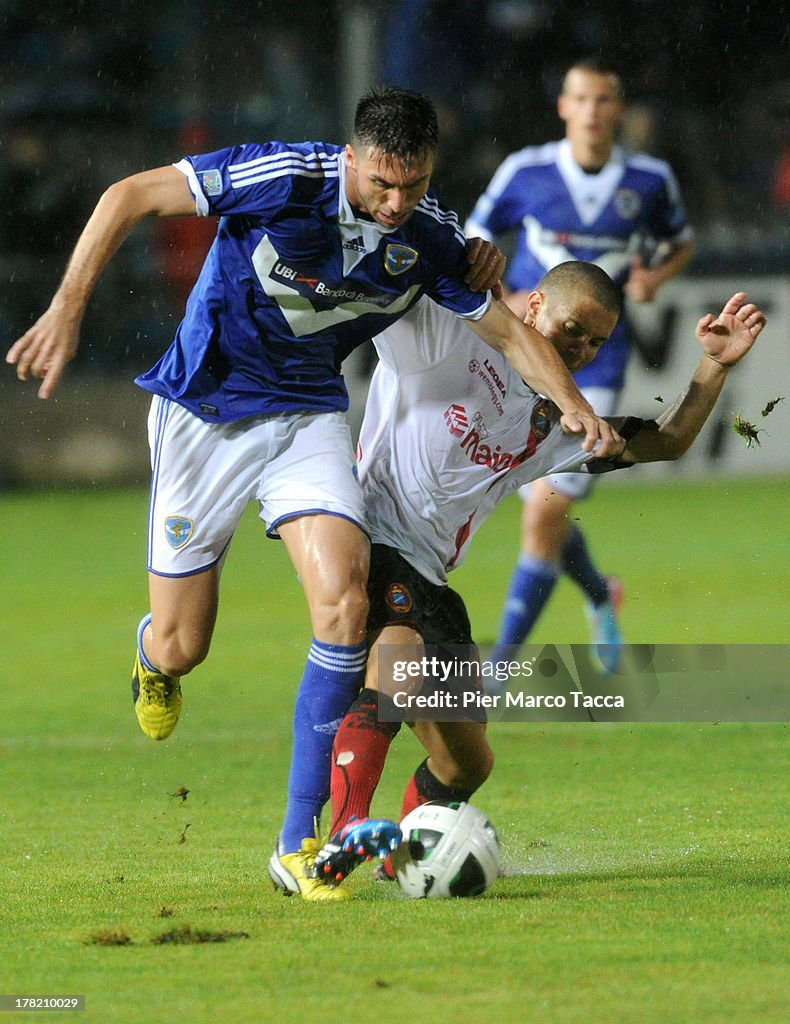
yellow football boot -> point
(157, 700)
(294, 873)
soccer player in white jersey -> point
(449, 430)
(318, 248)
(581, 198)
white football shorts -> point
(577, 485)
(204, 475)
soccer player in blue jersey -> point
(318, 248)
(582, 198)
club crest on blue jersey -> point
(541, 420)
(399, 598)
(211, 182)
(178, 530)
(627, 202)
(399, 258)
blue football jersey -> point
(563, 213)
(295, 280)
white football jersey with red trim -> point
(449, 430)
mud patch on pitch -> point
(109, 937)
(185, 935)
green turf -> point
(706, 563)
(647, 863)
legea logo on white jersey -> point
(495, 378)
(490, 377)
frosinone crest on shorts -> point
(398, 598)
(399, 258)
(178, 530)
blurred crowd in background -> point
(90, 92)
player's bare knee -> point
(177, 655)
(545, 516)
(341, 617)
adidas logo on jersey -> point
(355, 244)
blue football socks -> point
(332, 678)
(530, 588)
(578, 566)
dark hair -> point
(587, 277)
(596, 65)
(398, 122)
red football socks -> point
(358, 755)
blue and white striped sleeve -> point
(254, 178)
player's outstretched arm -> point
(537, 362)
(44, 350)
(726, 339)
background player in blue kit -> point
(581, 198)
(318, 248)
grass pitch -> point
(647, 864)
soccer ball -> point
(447, 850)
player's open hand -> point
(486, 267)
(727, 337)
(45, 349)
(598, 433)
